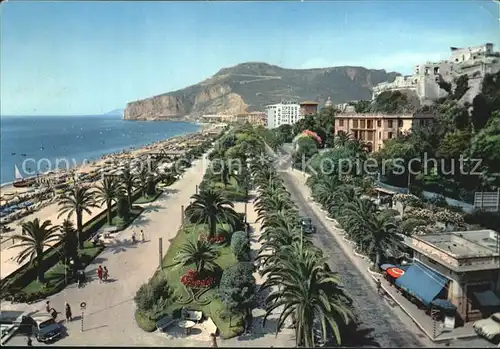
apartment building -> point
(474, 62)
(284, 113)
(374, 129)
(308, 107)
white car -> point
(489, 328)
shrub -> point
(240, 246)
(153, 297)
(144, 322)
(237, 286)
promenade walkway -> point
(109, 315)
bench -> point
(192, 315)
(164, 322)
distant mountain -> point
(116, 112)
(251, 86)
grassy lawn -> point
(148, 199)
(121, 223)
(208, 302)
(55, 276)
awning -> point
(422, 282)
(487, 298)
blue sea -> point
(75, 138)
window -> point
(355, 123)
(361, 134)
(370, 136)
(379, 135)
(400, 123)
(341, 123)
(379, 123)
(389, 135)
(356, 134)
(362, 124)
(436, 70)
(389, 123)
(369, 124)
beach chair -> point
(164, 323)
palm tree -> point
(70, 238)
(211, 207)
(109, 191)
(129, 182)
(384, 238)
(201, 253)
(310, 293)
(342, 139)
(143, 179)
(33, 242)
(75, 201)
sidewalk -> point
(423, 321)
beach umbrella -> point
(395, 272)
(387, 266)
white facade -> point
(284, 113)
(474, 62)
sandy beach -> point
(50, 212)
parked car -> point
(489, 328)
(306, 225)
(46, 328)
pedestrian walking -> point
(99, 273)
(69, 317)
(29, 341)
(214, 341)
(133, 237)
(47, 306)
(379, 286)
(142, 235)
(105, 274)
(53, 313)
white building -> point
(284, 113)
(474, 62)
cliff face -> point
(251, 86)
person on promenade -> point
(379, 286)
(47, 306)
(69, 317)
(142, 235)
(133, 237)
(99, 273)
(105, 274)
(214, 341)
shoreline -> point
(87, 165)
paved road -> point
(379, 325)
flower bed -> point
(192, 280)
(219, 239)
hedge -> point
(144, 322)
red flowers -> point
(214, 239)
(313, 135)
(192, 279)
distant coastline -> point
(79, 138)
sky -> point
(81, 58)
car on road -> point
(46, 329)
(307, 225)
(489, 328)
